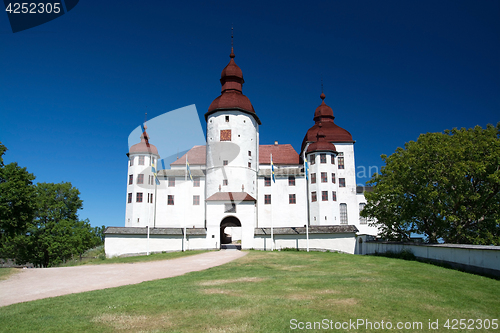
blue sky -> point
(74, 88)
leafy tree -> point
(17, 204)
(444, 185)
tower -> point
(232, 137)
(141, 183)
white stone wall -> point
(244, 138)
(334, 242)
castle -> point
(234, 190)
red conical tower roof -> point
(332, 132)
(232, 97)
(321, 144)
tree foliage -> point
(39, 223)
(444, 185)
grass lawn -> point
(264, 291)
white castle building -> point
(227, 192)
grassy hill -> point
(276, 292)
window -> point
(227, 119)
(140, 178)
(291, 199)
(267, 181)
(132, 161)
(313, 197)
(249, 153)
(267, 199)
(225, 135)
(249, 164)
(150, 197)
(324, 177)
(324, 195)
(225, 162)
(138, 197)
(341, 163)
(170, 200)
(334, 195)
(341, 182)
(313, 178)
(230, 208)
(141, 160)
(322, 158)
(333, 158)
(312, 158)
(291, 180)
(129, 198)
(362, 220)
(343, 213)
(130, 179)
(224, 182)
(171, 181)
(333, 178)
(196, 200)
(196, 182)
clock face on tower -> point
(225, 135)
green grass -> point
(5, 273)
(117, 260)
(263, 291)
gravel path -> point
(37, 283)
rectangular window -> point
(140, 178)
(224, 182)
(312, 159)
(224, 162)
(291, 180)
(343, 213)
(291, 199)
(362, 220)
(151, 197)
(170, 200)
(129, 198)
(171, 181)
(196, 200)
(341, 182)
(333, 178)
(132, 161)
(267, 181)
(333, 159)
(225, 135)
(196, 182)
(141, 160)
(267, 199)
(249, 164)
(230, 208)
(313, 197)
(130, 179)
(324, 177)
(249, 153)
(324, 195)
(341, 163)
(138, 197)
(322, 158)
(313, 178)
(227, 119)
(334, 195)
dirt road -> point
(37, 283)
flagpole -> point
(306, 166)
(272, 231)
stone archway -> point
(229, 221)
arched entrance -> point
(233, 225)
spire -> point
(232, 49)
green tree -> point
(444, 185)
(17, 204)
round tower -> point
(141, 183)
(232, 137)
(323, 186)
